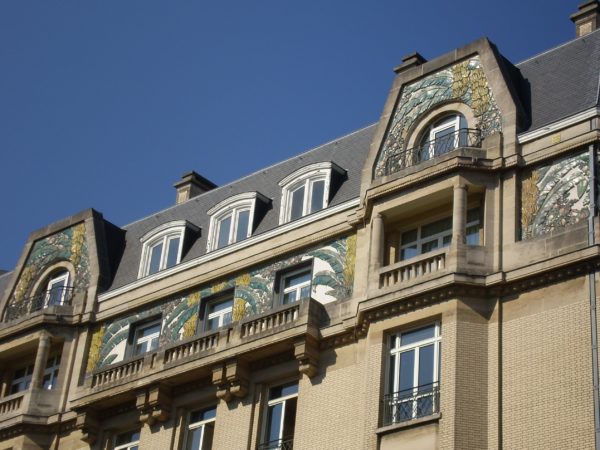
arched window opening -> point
(443, 136)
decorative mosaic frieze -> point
(463, 82)
(555, 196)
(69, 244)
(253, 292)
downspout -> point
(592, 289)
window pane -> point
(408, 237)
(194, 438)
(155, 254)
(297, 203)
(411, 337)
(274, 421)
(209, 431)
(305, 292)
(429, 246)
(147, 331)
(426, 360)
(172, 252)
(445, 140)
(473, 215)
(473, 235)
(290, 297)
(55, 295)
(289, 419)
(317, 197)
(221, 306)
(407, 370)
(224, 227)
(437, 227)
(242, 225)
(283, 391)
(408, 252)
(296, 280)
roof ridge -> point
(237, 180)
(564, 44)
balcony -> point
(32, 402)
(462, 138)
(56, 297)
(273, 332)
(407, 271)
(411, 404)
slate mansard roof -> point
(562, 81)
(349, 152)
(554, 85)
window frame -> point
(446, 233)
(231, 208)
(52, 372)
(163, 235)
(217, 300)
(128, 445)
(393, 373)
(306, 177)
(199, 424)
(26, 378)
(266, 444)
(282, 276)
(62, 277)
(427, 140)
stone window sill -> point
(408, 424)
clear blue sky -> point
(105, 104)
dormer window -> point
(233, 219)
(56, 290)
(162, 247)
(306, 190)
(442, 136)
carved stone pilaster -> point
(231, 379)
(89, 425)
(154, 404)
(306, 352)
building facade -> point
(427, 282)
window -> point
(163, 246)
(51, 373)
(56, 289)
(22, 377)
(443, 136)
(232, 220)
(438, 234)
(128, 441)
(295, 285)
(281, 418)
(413, 389)
(146, 337)
(306, 190)
(201, 429)
(218, 314)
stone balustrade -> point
(411, 269)
(190, 348)
(272, 321)
(11, 403)
(118, 372)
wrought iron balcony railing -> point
(411, 404)
(58, 295)
(465, 137)
(278, 444)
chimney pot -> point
(587, 18)
(412, 60)
(192, 185)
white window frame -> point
(128, 445)
(52, 372)
(272, 402)
(146, 340)
(433, 131)
(162, 235)
(25, 380)
(396, 350)
(232, 207)
(219, 314)
(305, 178)
(62, 279)
(438, 236)
(297, 288)
(199, 424)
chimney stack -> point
(191, 185)
(587, 18)
(413, 60)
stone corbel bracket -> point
(231, 379)
(88, 423)
(306, 352)
(154, 404)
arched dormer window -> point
(233, 219)
(443, 136)
(307, 190)
(162, 247)
(54, 290)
